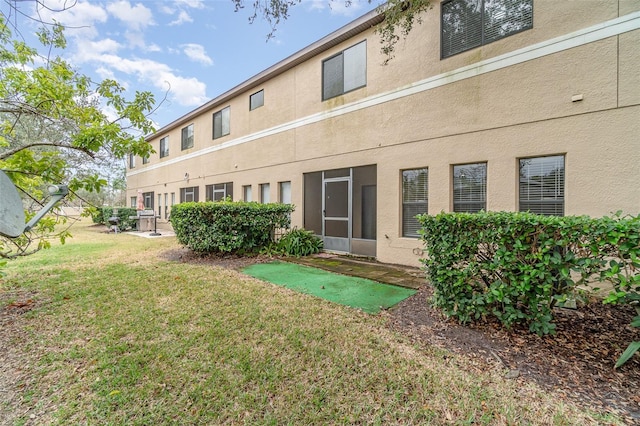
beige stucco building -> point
(496, 105)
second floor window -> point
(345, 71)
(467, 24)
(132, 161)
(256, 100)
(187, 137)
(221, 123)
(164, 147)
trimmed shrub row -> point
(227, 227)
(518, 266)
(102, 215)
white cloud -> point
(186, 91)
(80, 20)
(196, 53)
(181, 19)
(135, 17)
(194, 4)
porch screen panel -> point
(313, 202)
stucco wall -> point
(417, 112)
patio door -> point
(336, 210)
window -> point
(467, 24)
(159, 204)
(134, 202)
(132, 161)
(219, 191)
(415, 199)
(166, 205)
(256, 100)
(246, 193)
(173, 198)
(164, 147)
(542, 185)
(145, 160)
(470, 187)
(345, 71)
(284, 192)
(221, 123)
(265, 196)
(189, 194)
(187, 137)
(147, 197)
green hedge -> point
(227, 227)
(518, 266)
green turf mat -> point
(360, 293)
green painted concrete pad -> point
(360, 293)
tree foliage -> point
(400, 16)
(54, 125)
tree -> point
(399, 17)
(54, 129)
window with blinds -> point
(187, 137)
(466, 24)
(542, 185)
(345, 71)
(470, 187)
(221, 123)
(415, 199)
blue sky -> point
(197, 49)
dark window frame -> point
(341, 54)
(483, 38)
(187, 136)
(225, 189)
(221, 115)
(193, 191)
(148, 199)
(259, 100)
(164, 147)
(132, 161)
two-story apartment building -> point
(488, 104)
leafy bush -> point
(228, 226)
(299, 242)
(123, 214)
(518, 266)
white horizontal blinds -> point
(542, 185)
(265, 191)
(355, 67)
(285, 192)
(505, 17)
(461, 26)
(470, 187)
(471, 23)
(415, 199)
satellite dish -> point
(11, 210)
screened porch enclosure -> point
(340, 206)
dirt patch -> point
(577, 362)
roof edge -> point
(351, 29)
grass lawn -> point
(120, 336)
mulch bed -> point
(577, 362)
